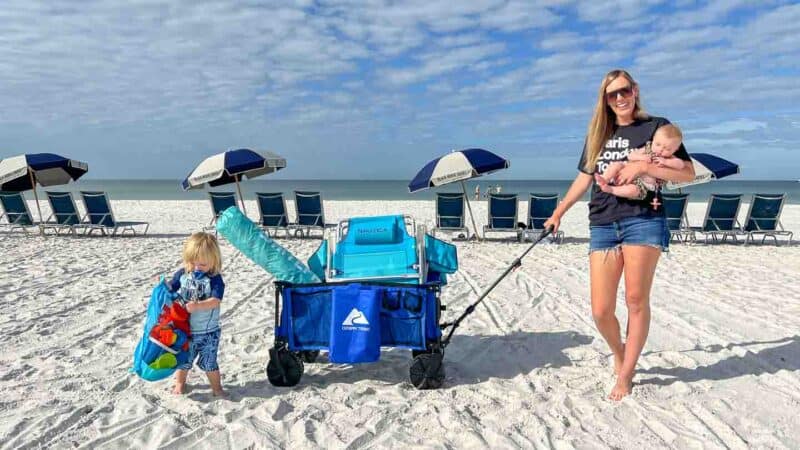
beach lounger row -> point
(272, 212)
(721, 218)
(502, 214)
(64, 216)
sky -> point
(374, 89)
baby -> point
(666, 141)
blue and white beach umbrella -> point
(706, 168)
(24, 172)
(231, 167)
(458, 165)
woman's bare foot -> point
(622, 388)
(179, 389)
(220, 393)
(618, 358)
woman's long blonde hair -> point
(202, 246)
(601, 127)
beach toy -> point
(165, 361)
(249, 239)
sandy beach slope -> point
(721, 368)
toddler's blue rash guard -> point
(189, 288)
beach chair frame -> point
(280, 217)
(98, 221)
(488, 228)
(303, 227)
(773, 232)
(532, 220)
(212, 195)
(421, 266)
(462, 218)
(712, 225)
(21, 216)
(683, 233)
(59, 220)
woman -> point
(625, 235)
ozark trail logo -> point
(355, 321)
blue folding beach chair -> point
(721, 217)
(272, 212)
(15, 212)
(381, 289)
(310, 213)
(450, 213)
(502, 214)
(763, 218)
(540, 208)
(64, 214)
(220, 201)
(677, 221)
(99, 216)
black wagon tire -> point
(284, 368)
(427, 371)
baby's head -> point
(201, 253)
(667, 140)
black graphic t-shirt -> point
(606, 208)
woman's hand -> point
(630, 172)
(191, 307)
(554, 221)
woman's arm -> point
(633, 170)
(579, 187)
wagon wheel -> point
(427, 371)
(284, 368)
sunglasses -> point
(625, 92)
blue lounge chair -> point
(540, 208)
(310, 213)
(64, 215)
(763, 218)
(450, 212)
(99, 216)
(272, 212)
(677, 221)
(220, 201)
(15, 212)
(721, 217)
(502, 215)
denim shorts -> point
(203, 348)
(642, 230)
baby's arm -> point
(670, 162)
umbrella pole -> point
(241, 199)
(469, 207)
(36, 196)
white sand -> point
(721, 368)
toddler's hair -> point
(670, 131)
(202, 246)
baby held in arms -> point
(666, 141)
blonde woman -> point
(200, 285)
(626, 235)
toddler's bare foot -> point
(179, 389)
(622, 388)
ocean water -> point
(393, 189)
